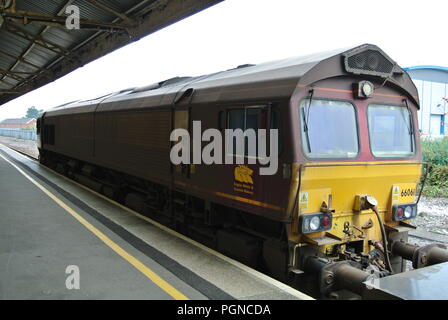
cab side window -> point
(49, 134)
(275, 124)
(248, 118)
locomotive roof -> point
(281, 76)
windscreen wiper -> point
(305, 121)
(411, 126)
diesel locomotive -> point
(338, 209)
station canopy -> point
(36, 47)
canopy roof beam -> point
(36, 39)
(19, 59)
(9, 91)
(7, 82)
(27, 17)
(123, 17)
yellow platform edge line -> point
(151, 275)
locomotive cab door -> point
(181, 120)
(39, 131)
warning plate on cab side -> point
(404, 192)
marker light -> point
(315, 222)
(400, 213)
(326, 221)
(404, 211)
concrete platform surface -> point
(49, 223)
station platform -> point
(50, 225)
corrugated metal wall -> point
(432, 106)
(432, 86)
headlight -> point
(315, 222)
(367, 89)
(408, 212)
(404, 211)
(363, 89)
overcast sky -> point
(236, 32)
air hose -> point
(383, 235)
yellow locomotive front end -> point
(349, 191)
(352, 225)
(344, 196)
(355, 181)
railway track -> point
(26, 147)
(420, 235)
(22, 152)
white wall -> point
(432, 106)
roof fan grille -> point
(370, 62)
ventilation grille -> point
(369, 62)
